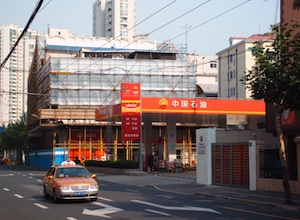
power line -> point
(142, 21)
(213, 18)
(23, 33)
(171, 21)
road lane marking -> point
(40, 205)
(71, 218)
(5, 189)
(10, 174)
(185, 208)
(39, 181)
(105, 199)
(157, 212)
(103, 212)
(18, 196)
(257, 213)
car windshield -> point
(72, 172)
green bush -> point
(123, 164)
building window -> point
(270, 164)
(124, 34)
(230, 58)
(124, 12)
(231, 92)
(123, 20)
(213, 64)
(124, 5)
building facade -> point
(207, 75)
(235, 61)
(13, 78)
(114, 19)
(289, 10)
(80, 75)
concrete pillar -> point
(171, 137)
(204, 140)
(147, 140)
(252, 165)
(147, 136)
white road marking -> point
(5, 189)
(105, 199)
(30, 177)
(186, 208)
(40, 205)
(157, 212)
(19, 196)
(10, 174)
(107, 209)
(39, 181)
(71, 218)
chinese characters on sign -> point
(131, 111)
(189, 103)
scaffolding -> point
(74, 84)
(93, 82)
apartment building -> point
(13, 78)
(114, 19)
(235, 61)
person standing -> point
(77, 161)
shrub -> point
(123, 164)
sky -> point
(205, 26)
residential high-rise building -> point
(114, 19)
(13, 78)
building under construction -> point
(72, 77)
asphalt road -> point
(22, 198)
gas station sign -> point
(131, 111)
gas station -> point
(140, 115)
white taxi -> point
(63, 182)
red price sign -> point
(131, 111)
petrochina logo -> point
(163, 103)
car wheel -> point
(46, 195)
(55, 199)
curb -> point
(247, 201)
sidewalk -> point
(185, 183)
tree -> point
(276, 79)
(14, 138)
